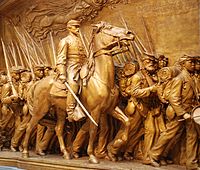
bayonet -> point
(8, 71)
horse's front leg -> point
(61, 115)
(93, 132)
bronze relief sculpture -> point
(109, 98)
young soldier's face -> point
(15, 76)
(3, 79)
(189, 65)
(25, 77)
(197, 65)
(47, 72)
(39, 73)
(162, 63)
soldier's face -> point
(46, 72)
(189, 65)
(39, 73)
(25, 77)
(149, 65)
(15, 76)
(197, 66)
(3, 79)
(74, 29)
(162, 63)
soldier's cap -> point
(197, 57)
(162, 57)
(17, 69)
(73, 22)
(2, 72)
(186, 57)
(47, 66)
(38, 67)
(149, 56)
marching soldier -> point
(141, 94)
(11, 108)
(25, 116)
(3, 80)
(180, 93)
(45, 131)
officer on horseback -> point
(70, 58)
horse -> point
(99, 96)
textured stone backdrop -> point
(173, 25)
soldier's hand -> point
(153, 88)
(62, 78)
(186, 116)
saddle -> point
(58, 89)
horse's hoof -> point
(93, 159)
(40, 152)
(21, 148)
(67, 156)
(128, 157)
(13, 149)
(25, 155)
(76, 155)
(112, 157)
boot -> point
(70, 110)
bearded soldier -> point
(140, 93)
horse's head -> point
(117, 32)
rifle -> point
(149, 38)
(137, 50)
(29, 60)
(8, 71)
(53, 48)
(20, 56)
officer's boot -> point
(71, 102)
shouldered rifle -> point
(137, 50)
(8, 71)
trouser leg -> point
(172, 128)
(191, 144)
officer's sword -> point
(79, 102)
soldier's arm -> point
(6, 97)
(61, 57)
(174, 97)
(20, 91)
(136, 90)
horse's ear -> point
(96, 29)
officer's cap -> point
(2, 72)
(73, 22)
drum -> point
(196, 114)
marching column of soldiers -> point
(159, 102)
